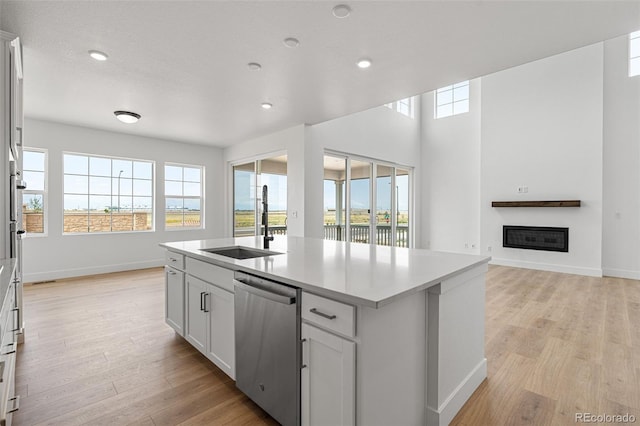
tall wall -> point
(542, 128)
(451, 180)
(56, 255)
(621, 192)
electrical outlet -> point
(525, 189)
(466, 245)
(520, 189)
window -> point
(34, 198)
(634, 54)
(354, 200)
(452, 100)
(403, 106)
(103, 194)
(183, 193)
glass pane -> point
(76, 203)
(192, 174)
(191, 189)
(100, 166)
(277, 185)
(35, 180)
(172, 188)
(100, 204)
(76, 184)
(360, 201)
(76, 164)
(461, 84)
(173, 173)
(244, 200)
(122, 216)
(383, 205)
(444, 97)
(461, 107)
(122, 186)
(334, 205)
(173, 214)
(142, 170)
(634, 67)
(99, 185)
(122, 168)
(33, 213)
(461, 93)
(142, 213)
(142, 187)
(32, 160)
(402, 208)
(634, 48)
(444, 111)
(143, 204)
(192, 213)
(443, 89)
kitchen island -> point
(401, 340)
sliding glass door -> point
(248, 179)
(361, 208)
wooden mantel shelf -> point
(560, 203)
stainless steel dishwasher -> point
(267, 324)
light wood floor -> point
(97, 352)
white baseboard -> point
(621, 273)
(93, 270)
(567, 269)
(447, 411)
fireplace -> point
(536, 238)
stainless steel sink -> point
(239, 252)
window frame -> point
(634, 41)
(410, 105)
(44, 193)
(191, 197)
(88, 194)
(451, 89)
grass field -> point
(245, 219)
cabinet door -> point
(328, 380)
(196, 317)
(174, 299)
(221, 345)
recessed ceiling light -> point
(341, 11)
(98, 56)
(266, 105)
(364, 63)
(254, 66)
(291, 42)
(127, 116)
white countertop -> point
(361, 274)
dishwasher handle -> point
(276, 297)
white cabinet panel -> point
(221, 331)
(174, 299)
(328, 380)
(196, 318)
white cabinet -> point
(174, 299)
(328, 378)
(210, 322)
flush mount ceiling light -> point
(254, 66)
(291, 42)
(127, 116)
(364, 63)
(98, 56)
(341, 11)
(266, 105)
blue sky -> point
(360, 193)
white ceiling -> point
(183, 64)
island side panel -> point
(456, 364)
(391, 363)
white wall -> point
(290, 140)
(542, 127)
(378, 133)
(621, 199)
(58, 255)
(451, 179)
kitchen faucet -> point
(265, 216)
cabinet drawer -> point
(211, 273)
(335, 316)
(174, 260)
(8, 403)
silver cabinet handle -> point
(16, 319)
(173, 259)
(16, 404)
(12, 349)
(172, 272)
(202, 300)
(322, 314)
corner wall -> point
(59, 256)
